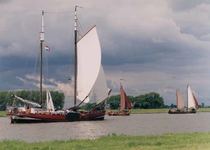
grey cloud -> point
(158, 44)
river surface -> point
(135, 124)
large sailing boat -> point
(192, 103)
(125, 105)
(89, 82)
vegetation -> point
(3, 113)
(87, 106)
(146, 101)
(181, 141)
(7, 100)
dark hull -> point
(69, 117)
(182, 112)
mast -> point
(75, 57)
(176, 99)
(41, 43)
(187, 96)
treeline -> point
(200, 106)
(146, 101)
(7, 100)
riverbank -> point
(3, 113)
(182, 141)
(154, 111)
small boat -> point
(125, 105)
(192, 103)
(89, 82)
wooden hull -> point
(69, 117)
(120, 113)
(182, 112)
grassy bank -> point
(151, 111)
(3, 113)
(183, 141)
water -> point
(135, 124)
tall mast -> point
(187, 96)
(75, 57)
(176, 99)
(41, 42)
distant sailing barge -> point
(125, 105)
(191, 103)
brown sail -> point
(125, 103)
(180, 103)
(196, 103)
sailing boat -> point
(89, 80)
(125, 104)
(191, 103)
(89, 77)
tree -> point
(202, 105)
(7, 100)
(149, 101)
(146, 101)
(114, 101)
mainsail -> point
(180, 103)
(49, 102)
(125, 103)
(190, 100)
(99, 91)
(90, 74)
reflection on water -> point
(135, 124)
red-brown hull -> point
(23, 117)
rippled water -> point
(135, 124)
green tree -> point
(202, 105)
(6, 98)
(114, 102)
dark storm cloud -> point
(152, 44)
(5, 1)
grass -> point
(151, 111)
(182, 141)
(3, 113)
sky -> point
(155, 46)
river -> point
(135, 124)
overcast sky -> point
(156, 46)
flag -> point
(47, 48)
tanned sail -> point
(196, 102)
(180, 103)
(125, 103)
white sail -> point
(190, 101)
(88, 63)
(49, 102)
(99, 91)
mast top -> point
(42, 32)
